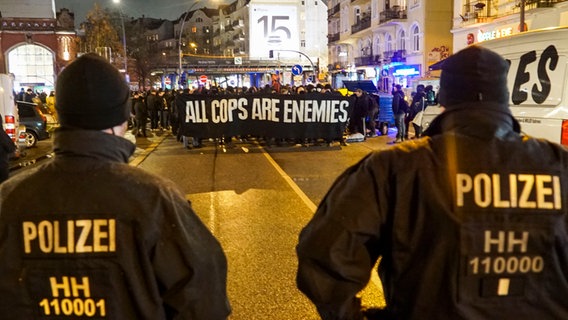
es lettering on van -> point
(533, 74)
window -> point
(388, 42)
(415, 34)
(32, 63)
(193, 29)
(377, 45)
(199, 20)
(401, 40)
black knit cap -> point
(91, 94)
(474, 74)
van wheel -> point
(31, 139)
(384, 128)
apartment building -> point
(387, 41)
(479, 20)
(267, 37)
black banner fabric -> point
(265, 115)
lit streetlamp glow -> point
(123, 40)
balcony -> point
(363, 24)
(396, 13)
(368, 60)
(533, 4)
(333, 10)
(395, 55)
(333, 37)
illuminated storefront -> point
(35, 45)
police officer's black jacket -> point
(88, 236)
(470, 223)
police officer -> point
(470, 220)
(88, 236)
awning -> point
(437, 65)
(365, 85)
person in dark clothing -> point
(371, 120)
(21, 94)
(140, 115)
(361, 106)
(105, 240)
(399, 110)
(29, 95)
(417, 105)
(469, 220)
(152, 104)
(165, 113)
(431, 99)
(7, 147)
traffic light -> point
(271, 53)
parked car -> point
(35, 121)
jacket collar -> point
(476, 119)
(92, 143)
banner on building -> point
(271, 115)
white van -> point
(9, 110)
(537, 80)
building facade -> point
(35, 42)
(387, 41)
(245, 32)
(480, 20)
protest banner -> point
(311, 116)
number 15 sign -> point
(272, 27)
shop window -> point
(32, 64)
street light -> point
(123, 40)
(180, 53)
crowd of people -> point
(406, 113)
(157, 107)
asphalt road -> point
(255, 199)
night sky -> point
(165, 9)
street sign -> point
(238, 60)
(297, 70)
(167, 81)
(203, 78)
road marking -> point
(135, 162)
(146, 152)
(290, 182)
(374, 276)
